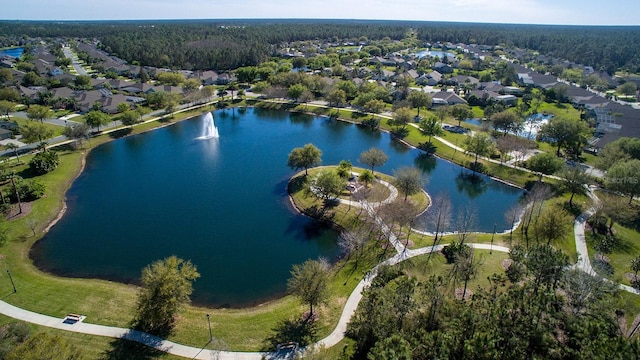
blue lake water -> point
(222, 203)
(15, 52)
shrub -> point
(44, 162)
(450, 252)
(28, 190)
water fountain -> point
(209, 129)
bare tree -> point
(534, 199)
(440, 215)
(402, 214)
(511, 216)
(466, 219)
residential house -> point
(43, 67)
(139, 88)
(483, 97)
(7, 62)
(9, 125)
(30, 92)
(208, 77)
(224, 79)
(169, 89)
(443, 68)
(119, 84)
(493, 86)
(384, 75)
(608, 79)
(110, 103)
(462, 80)
(432, 79)
(614, 121)
(538, 80)
(509, 100)
(5, 134)
(512, 90)
(86, 99)
(412, 74)
(446, 98)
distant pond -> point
(222, 203)
(13, 52)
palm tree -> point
(14, 147)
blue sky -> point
(570, 12)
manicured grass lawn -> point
(558, 109)
(626, 248)
(422, 267)
(57, 130)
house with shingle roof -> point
(446, 98)
(432, 79)
(614, 121)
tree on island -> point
(166, 287)
(309, 282)
(366, 177)
(372, 158)
(408, 180)
(304, 158)
(328, 184)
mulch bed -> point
(15, 211)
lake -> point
(222, 203)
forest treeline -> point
(228, 44)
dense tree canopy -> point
(228, 44)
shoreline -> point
(63, 208)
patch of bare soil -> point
(467, 295)
(16, 212)
(632, 277)
(506, 263)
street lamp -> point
(492, 235)
(209, 322)
(12, 283)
